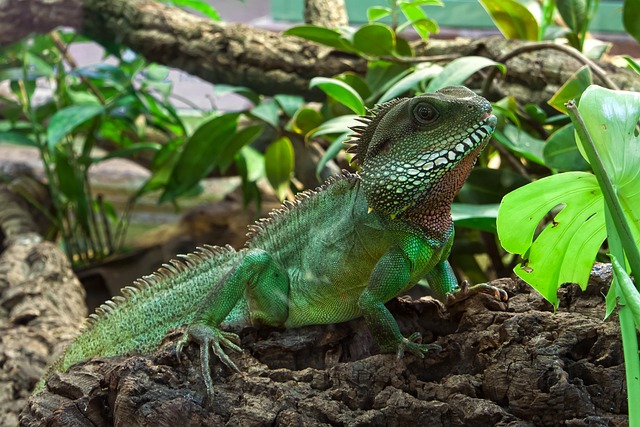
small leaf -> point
(320, 35)
(105, 73)
(513, 19)
(198, 5)
(478, 217)
(66, 120)
(411, 82)
(573, 13)
(200, 154)
(375, 39)
(341, 92)
(337, 125)
(305, 120)
(222, 90)
(332, 152)
(16, 138)
(459, 70)
(129, 152)
(561, 152)
(632, 64)
(267, 111)
(418, 18)
(233, 145)
(278, 160)
(519, 141)
(571, 89)
(289, 103)
(377, 12)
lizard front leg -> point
(390, 275)
(266, 287)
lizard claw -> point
(414, 345)
(465, 291)
(210, 337)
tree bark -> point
(326, 13)
(515, 365)
(265, 61)
(41, 305)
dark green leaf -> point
(305, 120)
(486, 186)
(459, 70)
(336, 125)
(632, 64)
(519, 141)
(66, 120)
(574, 13)
(129, 152)
(478, 217)
(411, 81)
(331, 152)
(356, 82)
(561, 152)
(241, 138)
(630, 14)
(16, 138)
(278, 160)
(199, 155)
(107, 74)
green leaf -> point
(17, 138)
(512, 18)
(571, 89)
(129, 152)
(566, 249)
(222, 90)
(459, 70)
(341, 92)
(377, 12)
(332, 152)
(561, 152)
(375, 40)
(289, 103)
(479, 217)
(305, 120)
(66, 120)
(632, 64)
(105, 73)
(411, 82)
(519, 141)
(630, 14)
(418, 19)
(198, 5)
(200, 154)
(574, 13)
(337, 125)
(627, 289)
(320, 35)
(487, 186)
(278, 160)
(267, 111)
(233, 145)
(356, 82)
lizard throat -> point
(432, 213)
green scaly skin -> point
(334, 254)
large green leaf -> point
(66, 120)
(337, 125)
(512, 18)
(611, 118)
(322, 35)
(341, 92)
(200, 154)
(459, 70)
(279, 163)
(574, 13)
(479, 217)
(565, 250)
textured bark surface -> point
(325, 13)
(500, 364)
(41, 305)
(265, 61)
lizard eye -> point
(425, 113)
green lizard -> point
(334, 254)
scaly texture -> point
(332, 255)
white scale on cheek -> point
(441, 161)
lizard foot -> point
(414, 345)
(207, 336)
(465, 291)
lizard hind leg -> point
(259, 279)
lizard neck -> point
(432, 214)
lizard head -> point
(411, 148)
